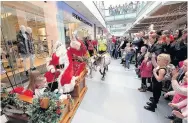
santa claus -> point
(63, 69)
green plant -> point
(50, 115)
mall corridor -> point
(117, 100)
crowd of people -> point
(161, 62)
(125, 8)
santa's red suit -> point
(78, 48)
(67, 75)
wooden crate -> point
(78, 88)
(80, 84)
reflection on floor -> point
(117, 100)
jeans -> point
(127, 59)
(116, 54)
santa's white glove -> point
(63, 97)
(52, 70)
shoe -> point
(26, 73)
(149, 108)
(121, 63)
(143, 90)
(151, 99)
(140, 88)
(149, 89)
(151, 104)
(170, 117)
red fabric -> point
(146, 69)
(181, 64)
(55, 60)
(28, 93)
(17, 90)
(90, 45)
(50, 77)
(113, 39)
(178, 97)
(81, 52)
(171, 38)
(95, 43)
(78, 67)
(68, 73)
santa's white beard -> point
(75, 44)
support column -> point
(94, 32)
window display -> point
(23, 37)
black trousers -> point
(136, 60)
(145, 79)
(157, 88)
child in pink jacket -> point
(145, 72)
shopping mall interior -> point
(94, 61)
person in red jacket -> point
(145, 72)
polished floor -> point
(117, 100)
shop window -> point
(11, 20)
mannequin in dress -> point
(31, 45)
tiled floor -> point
(117, 100)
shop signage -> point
(81, 19)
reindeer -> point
(102, 61)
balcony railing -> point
(124, 13)
(120, 17)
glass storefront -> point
(47, 27)
(13, 16)
(73, 21)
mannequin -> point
(31, 45)
(24, 46)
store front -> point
(45, 26)
(74, 21)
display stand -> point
(78, 95)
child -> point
(37, 81)
(158, 75)
(140, 58)
(146, 72)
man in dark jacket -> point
(138, 44)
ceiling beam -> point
(156, 22)
(167, 15)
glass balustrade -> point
(122, 13)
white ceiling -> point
(82, 9)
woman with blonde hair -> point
(36, 81)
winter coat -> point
(140, 58)
(22, 46)
(180, 52)
(156, 48)
(138, 43)
(146, 69)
